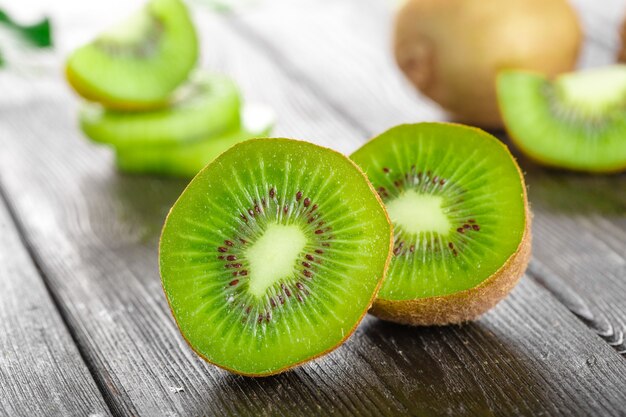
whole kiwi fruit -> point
(451, 50)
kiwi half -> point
(575, 121)
(457, 201)
(207, 105)
(138, 63)
(188, 158)
(273, 254)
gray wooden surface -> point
(551, 348)
(41, 370)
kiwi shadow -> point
(390, 369)
(568, 192)
(130, 208)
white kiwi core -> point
(416, 213)
(273, 256)
(593, 91)
(132, 30)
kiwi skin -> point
(452, 61)
(347, 334)
(469, 304)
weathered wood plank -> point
(95, 234)
(41, 371)
(580, 220)
(580, 246)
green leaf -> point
(38, 34)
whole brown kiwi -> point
(451, 50)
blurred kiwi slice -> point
(457, 201)
(207, 105)
(575, 121)
(138, 63)
(187, 158)
(273, 254)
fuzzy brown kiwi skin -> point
(537, 159)
(469, 304)
(347, 334)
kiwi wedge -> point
(273, 254)
(575, 121)
(138, 63)
(457, 201)
(188, 158)
(207, 105)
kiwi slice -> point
(457, 201)
(188, 158)
(207, 105)
(575, 121)
(273, 254)
(138, 63)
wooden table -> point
(85, 329)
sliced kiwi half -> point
(575, 121)
(207, 105)
(457, 201)
(273, 254)
(138, 63)
(188, 158)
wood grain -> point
(94, 234)
(41, 371)
(580, 220)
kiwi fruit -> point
(208, 104)
(273, 254)
(451, 50)
(457, 200)
(575, 121)
(188, 158)
(138, 63)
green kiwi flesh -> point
(138, 63)
(458, 204)
(206, 105)
(575, 121)
(273, 254)
(187, 159)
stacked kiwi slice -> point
(575, 121)
(276, 250)
(139, 62)
(145, 100)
